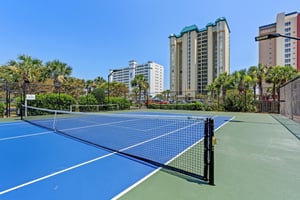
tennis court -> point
(76, 163)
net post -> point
(54, 121)
(21, 110)
(211, 152)
(23, 99)
(206, 150)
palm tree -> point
(217, 85)
(242, 83)
(252, 73)
(26, 69)
(136, 93)
(8, 74)
(166, 94)
(57, 71)
(140, 82)
(239, 80)
(279, 75)
(224, 81)
(99, 80)
(211, 90)
(74, 86)
(89, 85)
(274, 76)
(260, 76)
(119, 89)
(288, 73)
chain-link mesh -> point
(290, 99)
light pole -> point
(23, 100)
(7, 98)
(57, 86)
(273, 35)
(108, 80)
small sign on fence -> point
(30, 96)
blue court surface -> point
(40, 164)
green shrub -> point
(122, 102)
(99, 94)
(50, 101)
(239, 102)
(88, 100)
(2, 109)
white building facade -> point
(153, 73)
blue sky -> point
(93, 36)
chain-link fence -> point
(267, 106)
(290, 99)
(9, 92)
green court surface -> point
(256, 157)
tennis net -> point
(94, 108)
(179, 143)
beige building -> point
(197, 57)
(281, 51)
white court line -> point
(23, 136)
(223, 124)
(54, 174)
(84, 163)
(13, 123)
(135, 184)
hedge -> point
(2, 109)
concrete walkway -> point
(257, 157)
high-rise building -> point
(153, 73)
(281, 51)
(198, 57)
